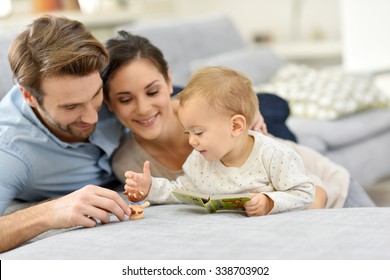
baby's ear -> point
(238, 123)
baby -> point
(215, 110)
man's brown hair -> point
(53, 46)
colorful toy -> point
(137, 205)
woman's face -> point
(140, 97)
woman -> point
(138, 88)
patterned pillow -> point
(325, 94)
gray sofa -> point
(184, 232)
(5, 71)
(176, 232)
(359, 142)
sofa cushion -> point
(182, 41)
(345, 131)
(325, 94)
(313, 142)
(367, 161)
(6, 81)
(259, 64)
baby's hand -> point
(139, 181)
(259, 205)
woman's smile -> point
(148, 121)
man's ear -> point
(30, 99)
(238, 123)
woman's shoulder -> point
(127, 157)
(127, 146)
(131, 156)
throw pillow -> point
(325, 94)
(275, 111)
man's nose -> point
(90, 114)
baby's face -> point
(209, 131)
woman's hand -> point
(258, 123)
(259, 205)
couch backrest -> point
(183, 41)
(5, 71)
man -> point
(51, 144)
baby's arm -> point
(293, 190)
(157, 190)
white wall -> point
(313, 19)
(366, 35)
(282, 20)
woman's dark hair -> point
(125, 48)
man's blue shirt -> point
(36, 165)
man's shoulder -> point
(107, 119)
(12, 97)
(13, 122)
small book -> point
(213, 203)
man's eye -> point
(198, 133)
(70, 108)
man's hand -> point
(259, 205)
(85, 206)
(80, 208)
(139, 181)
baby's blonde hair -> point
(227, 90)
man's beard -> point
(69, 132)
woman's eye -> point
(151, 93)
(125, 100)
(198, 133)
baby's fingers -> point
(252, 206)
(253, 202)
(132, 181)
(130, 174)
(147, 169)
